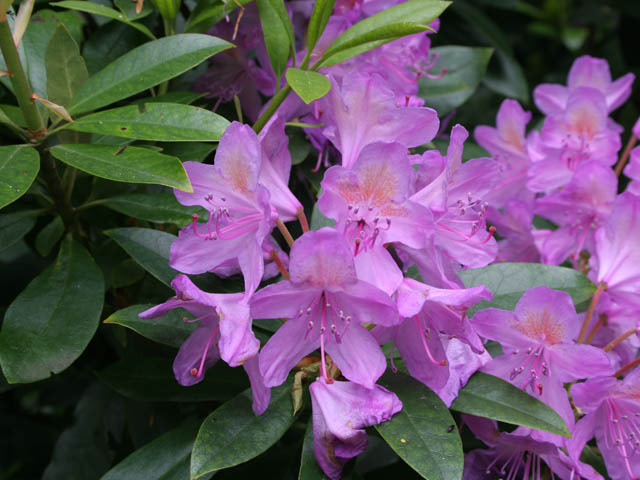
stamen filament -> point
(615, 342)
(285, 232)
(280, 264)
(602, 286)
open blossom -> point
(570, 138)
(612, 409)
(433, 316)
(240, 215)
(341, 410)
(223, 331)
(578, 210)
(325, 304)
(632, 170)
(517, 452)
(540, 353)
(617, 256)
(363, 110)
(371, 206)
(586, 71)
(514, 225)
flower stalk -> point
(602, 286)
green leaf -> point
(165, 122)
(152, 207)
(309, 468)
(51, 322)
(308, 85)
(150, 248)
(383, 27)
(143, 67)
(151, 379)
(491, 397)
(167, 8)
(128, 7)
(421, 433)
(109, 42)
(508, 281)
(319, 220)
(66, 70)
(233, 434)
(160, 459)
(209, 12)
(170, 329)
(465, 68)
(49, 236)
(188, 151)
(125, 273)
(318, 22)
(177, 96)
(19, 166)
(512, 81)
(278, 34)
(14, 226)
(125, 164)
(97, 9)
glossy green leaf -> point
(51, 322)
(167, 8)
(153, 207)
(126, 273)
(49, 236)
(164, 122)
(421, 433)
(109, 42)
(318, 21)
(143, 67)
(308, 85)
(177, 96)
(309, 468)
(160, 459)
(508, 281)
(66, 70)
(491, 397)
(465, 67)
(278, 33)
(404, 19)
(209, 12)
(170, 329)
(125, 164)
(233, 434)
(151, 379)
(19, 166)
(150, 248)
(97, 9)
(14, 226)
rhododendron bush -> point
(424, 267)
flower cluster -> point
(345, 290)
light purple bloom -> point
(617, 253)
(371, 206)
(325, 304)
(612, 408)
(632, 170)
(514, 225)
(224, 330)
(341, 410)
(572, 137)
(362, 110)
(578, 210)
(540, 353)
(240, 215)
(586, 71)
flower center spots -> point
(465, 220)
(542, 326)
(621, 431)
(536, 366)
(222, 223)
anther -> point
(194, 372)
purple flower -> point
(612, 409)
(240, 215)
(362, 110)
(370, 203)
(572, 137)
(341, 410)
(224, 330)
(617, 253)
(578, 210)
(433, 317)
(586, 71)
(325, 304)
(514, 225)
(540, 352)
(632, 170)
